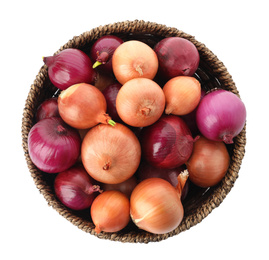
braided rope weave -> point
(212, 74)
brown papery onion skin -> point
(208, 163)
(182, 95)
(134, 59)
(111, 154)
(140, 102)
(83, 106)
(155, 206)
(110, 211)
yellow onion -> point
(110, 211)
(155, 205)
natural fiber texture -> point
(212, 74)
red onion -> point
(168, 143)
(221, 115)
(53, 145)
(69, 67)
(146, 171)
(177, 57)
(110, 93)
(47, 108)
(102, 51)
(75, 188)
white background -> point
(236, 31)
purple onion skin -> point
(48, 108)
(220, 116)
(53, 145)
(69, 67)
(168, 143)
(146, 171)
(177, 57)
(102, 51)
(75, 188)
(110, 93)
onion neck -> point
(94, 188)
(48, 60)
(61, 130)
(182, 178)
(106, 119)
(145, 111)
(97, 229)
(227, 138)
(168, 110)
(107, 166)
(102, 58)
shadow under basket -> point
(211, 73)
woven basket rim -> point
(220, 73)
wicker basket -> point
(211, 73)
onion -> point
(48, 108)
(69, 67)
(155, 206)
(125, 187)
(167, 143)
(102, 51)
(53, 145)
(221, 115)
(182, 95)
(110, 93)
(177, 57)
(83, 106)
(110, 154)
(134, 59)
(110, 211)
(140, 102)
(208, 163)
(102, 80)
(75, 188)
(146, 171)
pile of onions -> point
(69, 67)
(75, 188)
(208, 163)
(140, 102)
(53, 145)
(221, 115)
(110, 154)
(137, 168)
(83, 106)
